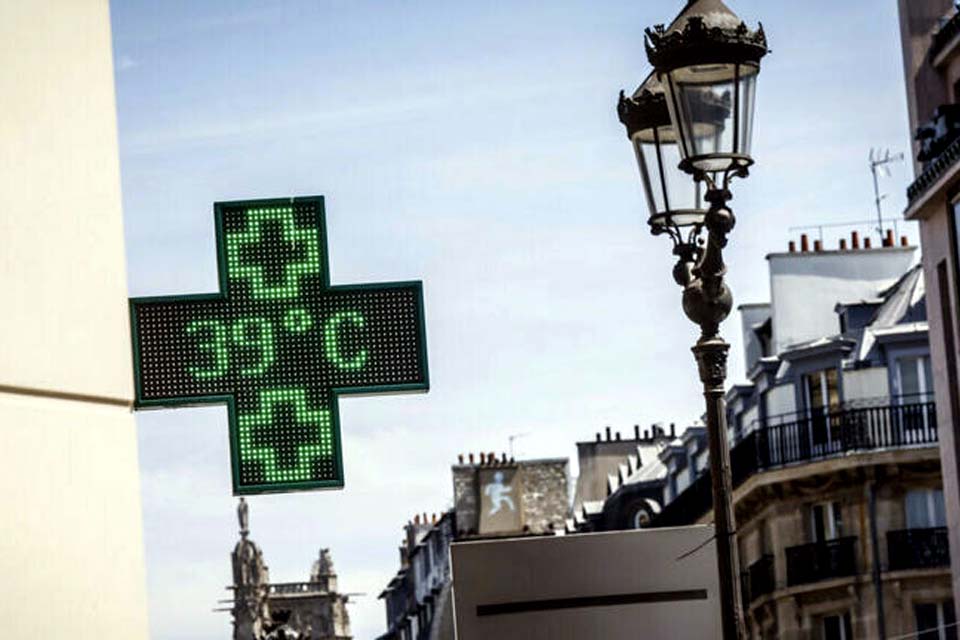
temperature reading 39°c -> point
(279, 344)
(254, 346)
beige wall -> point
(935, 238)
(71, 550)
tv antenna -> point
(878, 164)
(516, 436)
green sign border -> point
(140, 403)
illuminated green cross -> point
(279, 344)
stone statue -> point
(243, 515)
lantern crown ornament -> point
(707, 61)
(706, 30)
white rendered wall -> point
(71, 551)
(805, 288)
(863, 384)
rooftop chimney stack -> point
(866, 243)
(470, 458)
(636, 432)
(804, 243)
(843, 244)
(483, 458)
(903, 241)
(599, 439)
(855, 240)
(460, 458)
(817, 246)
(608, 434)
(888, 242)
(673, 430)
(792, 246)
(618, 436)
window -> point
(821, 393)
(837, 627)
(914, 380)
(936, 621)
(925, 509)
(826, 521)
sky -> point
(473, 146)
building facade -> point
(836, 470)
(930, 38)
(263, 610)
(493, 498)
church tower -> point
(251, 582)
(262, 610)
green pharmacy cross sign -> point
(278, 345)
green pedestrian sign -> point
(278, 345)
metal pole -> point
(707, 301)
(711, 357)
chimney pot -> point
(608, 434)
(503, 457)
(817, 246)
(599, 439)
(460, 458)
(904, 242)
(492, 458)
(416, 519)
(855, 240)
(636, 432)
(483, 458)
(646, 434)
(470, 458)
(888, 241)
(673, 430)
(618, 436)
(843, 244)
(866, 243)
(804, 243)
(792, 246)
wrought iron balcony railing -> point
(808, 438)
(821, 561)
(918, 548)
(758, 579)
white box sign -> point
(627, 585)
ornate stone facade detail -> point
(262, 610)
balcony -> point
(758, 580)
(799, 439)
(918, 549)
(939, 140)
(821, 561)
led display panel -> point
(278, 345)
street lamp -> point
(676, 203)
(707, 63)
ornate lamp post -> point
(707, 63)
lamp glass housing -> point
(712, 107)
(672, 197)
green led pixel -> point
(333, 347)
(240, 268)
(319, 446)
(297, 320)
(263, 342)
(215, 344)
(278, 345)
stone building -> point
(621, 481)
(263, 610)
(835, 461)
(930, 39)
(493, 498)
